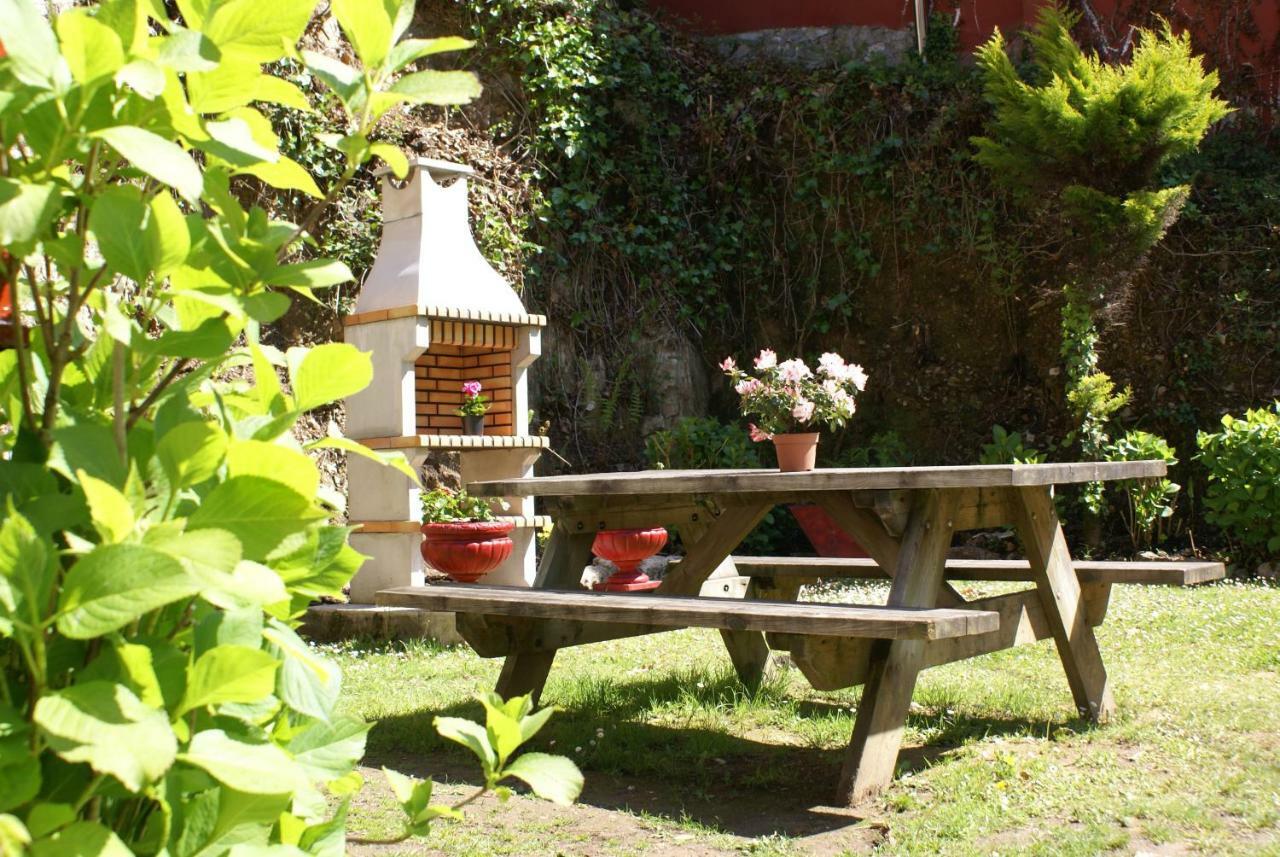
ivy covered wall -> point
(665, 207)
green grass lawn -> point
(679, 760)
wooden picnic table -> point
(905, 519)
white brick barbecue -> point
(434, 314)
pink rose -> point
(728, 365)
(758, 434)
(747, 387)
(803, 411)
(471, 389)
(767, 359)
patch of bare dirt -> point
(611, 817)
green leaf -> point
(167, 230)
(258, 32)
(395, 460)
(259, 769)
(191, 452)
(82, 839)
(45, 818)
(308, 683)
(24, 570)
(143, 77)
(505, 736)
(31, 47)
(312, 274)
(367, 24)
(438, 87)
(229, 674)
(207, 555)
(284, 174)
(234, 83)
(188, 50)
(260, 512)
(470, 735)
(277, 90)
(552, 778)
(239, 144)
(410, 50)
(90, 447)
(26, 210)
(346, 82)
(163, 160)
(111, 511)
(92, 49)
(137, 669)
(328, 373)
(327, 751)
(393, 157)
(110, 729)
(273, 461)
(113, 585)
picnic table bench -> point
(905, 518)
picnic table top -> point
(823, 479)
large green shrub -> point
(1081, 146)
(1243, 494)
(162, 528)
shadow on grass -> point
(658, 746)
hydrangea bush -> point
(788, 396)
(162, 528)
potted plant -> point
(788, 397)
(461, 536)
(474, 407)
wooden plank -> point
(1046, 548)
(563, 560)
(722, 535)
(832, 663)
(893, 665)
(1144, 572)
(899, 623)
(507, 636)
(824, 479)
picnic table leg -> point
(894, 664)
(563, 560)
(1041, 536)
(712, 543)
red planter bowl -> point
(467, 550)
(627, 549)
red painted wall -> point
(1241, 39)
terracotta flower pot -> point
(627, 549)
(467, 550)
(473, 424)
(796, 452)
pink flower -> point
(793, 370)
(758, 434)
(767, 359)
(747, 386)
(728, 365)
(803, 411)
(471, 389)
